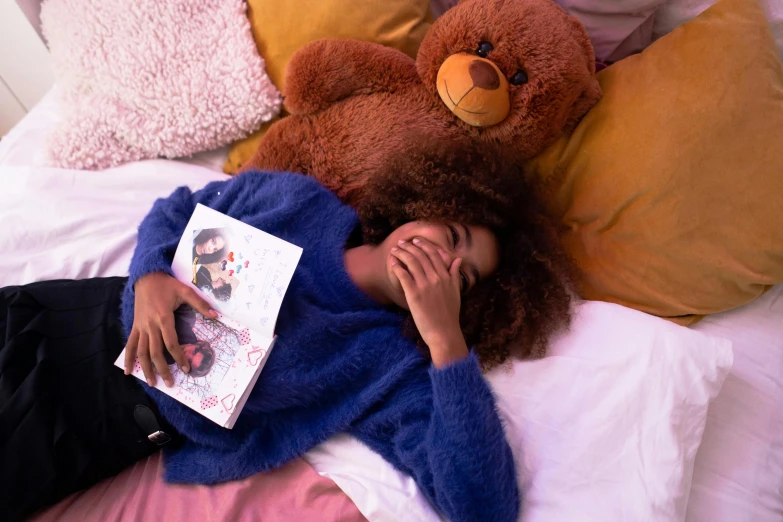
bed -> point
(75, 224)
(59, 223)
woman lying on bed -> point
(383, 334)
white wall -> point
(25, 66)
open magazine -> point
(244, 274)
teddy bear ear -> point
(589, 97)
(580, 33)
(592, 90)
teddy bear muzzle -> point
(474, 89)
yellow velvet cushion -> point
(671, 188)
(280, 27)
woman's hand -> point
(432, 291)
(157, 296)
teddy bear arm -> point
(325, 71)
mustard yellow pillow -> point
(280, 27)
(671, 188)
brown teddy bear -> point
(507, 74)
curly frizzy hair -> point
(527, 299)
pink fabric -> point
(147, 79)
(618, 28)
(438, 7)
(294, 492)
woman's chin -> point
(395, 293)
(398, 299)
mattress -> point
(71, 224)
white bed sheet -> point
(77, 224)
(69, 224)
(738, 475)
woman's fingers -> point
(415, 270)
(423, 259)
(454, 272)
(193, 299)
(144, 359)
(439, 265)
(406, 281)
(130, 350)
(172, 343)
(158, 357)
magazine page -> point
(225, 358)
(242, 271)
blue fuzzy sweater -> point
(340, 364)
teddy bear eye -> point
(519, 78)
(484, 48)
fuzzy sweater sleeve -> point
(272, 201)
(454, 446)
(162, 228)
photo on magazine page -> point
(210, 347)
(215, 269)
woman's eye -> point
(519, 78)
(464, 282)
(484, 48)
(454, 236)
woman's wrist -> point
(448, 349)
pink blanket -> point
(138, 494)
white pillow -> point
(606, 428)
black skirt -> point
(66, 412)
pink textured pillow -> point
(145, 79)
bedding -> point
(739, 466)
(60, 223)
(617, 29)
(23, 145)
(139, 494)
(78, 224)
(738, 469)
(58, 230)
(625, 427)
(669, 190)
(160, 79)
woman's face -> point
(195, 357)
(192, 356)
(210, 246)
(476, 246)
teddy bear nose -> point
(483, 75)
